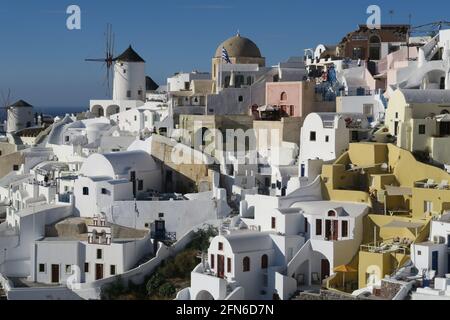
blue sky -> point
(43, 62)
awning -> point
(398, 191)
(266, 108)
(443, 118)
(404, 224)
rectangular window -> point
(16, 167)
(318, 227)
(41, 267)
(86, 267)
(67, 138)
(139, 92)
(422, 129)
(327, 138)
(241, 98)
(128, 94)
(306, 225)
(161, 215)
(220, 246)
(85, 191)
(344, 229)
(135, 118)
(112, 270)
(368, 109)
(312, 136)
(104, 191)
(99, 254)
(229, 265)
(212, 262)
(140, 185)
(274, 223)
(68, 269)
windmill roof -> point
(130, 55)
(150, 85)
(21, 103)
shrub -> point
(167, 290)
(156, 280)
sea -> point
(53, 111)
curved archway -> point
(283, 96)
(98, 111)
(204, 295)
(112, 109)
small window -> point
(312, 136)
(124, 71)
(135, 118)
(274, 223)
(241, 98)
(161, 215)
(68, 269)
(139, 92)
(220, 246)
(112, 270)
(67, 138)
(419, 253)
(229, 265)
(396, 115)
(104, 191)
(140, 185)
(264, 261)
(246, 264)
(99, 254)
(146, 225)
(212, 262)
(422, 129)
(283, 96)
(318, 227)
(16, 167)
(327, 138)
(306, 225)
(344, 228)
(41, 267)
(85, 191)
(128, 94)
(86, 267)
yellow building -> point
(420, 119)
(404, 195)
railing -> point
(384, 247)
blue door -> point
(434, 261)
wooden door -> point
(335, 229)
(325, 269)
(328, 230)
(98, 271)
(220, 266)
(55, 273)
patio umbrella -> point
(344, 269)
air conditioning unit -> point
(438, 240)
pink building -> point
(295, 99)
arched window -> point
(264, 261)
(246, 264)
(283, 96)
(332, 213)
